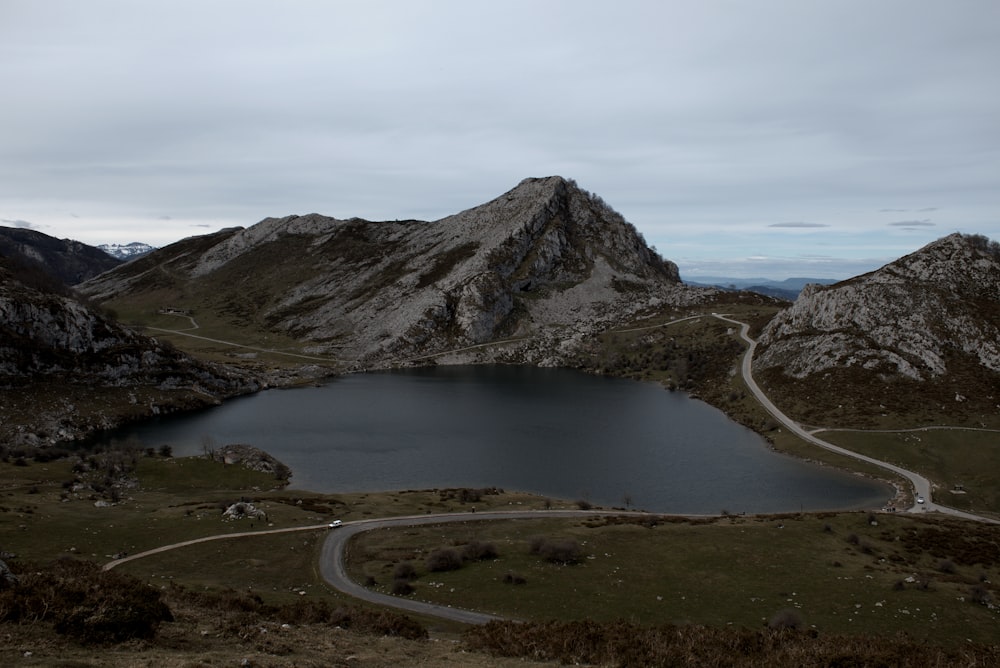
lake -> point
(555, 432)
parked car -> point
(920, 499)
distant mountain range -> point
(788, 289)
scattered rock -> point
(252, 458)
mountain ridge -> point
(545, 255)
(127, 251)
(69, 261)
(539, 275)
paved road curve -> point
(332, 558)
(921, 485)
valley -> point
(544, 275)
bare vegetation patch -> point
(625, 644)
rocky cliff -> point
(927, 324)
(906, 319)
(58, 357)
(546, 259)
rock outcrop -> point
(912, 319)
(251, 458)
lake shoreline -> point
(553, 432)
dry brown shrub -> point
(625, 644)
(443, 559)
(479, 551)
(84, 603)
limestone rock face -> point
(910, 319)
(483, 304)
(544, 255)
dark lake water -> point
(555, 432)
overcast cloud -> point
(708, 124)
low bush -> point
(980, 595)
(561, 551)
(787, 618)
(511, 578)
(404, 571)
(443, 559)
(87, 604)
(947, 566)
(478, 551)
(401, 587)
(378, 622)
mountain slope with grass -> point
(546, 260)
(68, 261)
(924, 329)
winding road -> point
(921, 485)
(332, 561)
(335, 546)
(332, 558)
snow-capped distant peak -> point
(127, 251)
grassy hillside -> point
(829, 575)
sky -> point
(772, 138)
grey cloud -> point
(419, 110)
(912, 224)
(928, 209)
(18, 223)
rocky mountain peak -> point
(128, 251)
(912, 318)
(544, 254)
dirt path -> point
(186, 332)
(205, 539)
